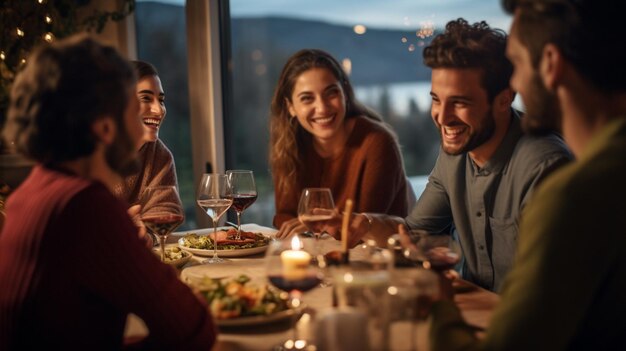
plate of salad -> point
(237, 301)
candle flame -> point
(296, 244)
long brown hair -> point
(288, 139)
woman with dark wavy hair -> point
(321, 136)
(156, 160)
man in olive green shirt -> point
(566, 288)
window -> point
(161, 40)
(379, 41)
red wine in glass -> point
(243, 201)
(303, 284)
(242, 189)
(442, 258)
(161, 212)
(162, 224)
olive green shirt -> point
(567, 289)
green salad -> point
(238, 297)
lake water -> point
(401, 93)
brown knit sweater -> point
(369, 171)
(157, 169)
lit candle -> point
(295, 261)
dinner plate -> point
(224, 253)
(227, 253)
(258, 320)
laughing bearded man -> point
(487, 168)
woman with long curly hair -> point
(321, 136)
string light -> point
(48, 19)
(23, 61)
(20, 33)
(2, 56)
(40, 1)
(347, 65)
(427, 29)
(359, 29)
(48, 37)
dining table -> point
(476, 304)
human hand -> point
(290, 228)
(357, 228)
(133, 212)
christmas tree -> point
(26, 24)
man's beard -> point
(482, 134)
(543, 114)
(121, 155)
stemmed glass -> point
(439, 252)
(243, 193)
(161, 212)
(214, 198)
(292, 269)
(315, 209)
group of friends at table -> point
(535, 199)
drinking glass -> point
(242, 192)
(439, 252)
(412, 292)
(214, 198)
(292, 269)
(315, 209)
(161, 212)
(363, 285)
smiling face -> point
(151, 106)
(460, 109)
(319, 103)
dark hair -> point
(472, 46)
(588, 33)
(63, 89)
(144, 69)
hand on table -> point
(133, 212)
(357, 228)
(290, 228)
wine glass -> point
(214, 198)
(292, 269)
(439, 252)
(242, 191)
(161, 212)
(315, 209)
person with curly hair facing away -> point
(72, 266)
